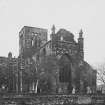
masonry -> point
(72, 71)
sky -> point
(69, 14)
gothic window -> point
(65, 70)
(33, 41)
(28, 43)
(65, 73)
(34, 34)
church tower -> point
(81, 45)
(31, 39)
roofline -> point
(35, 27)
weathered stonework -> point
(72, 69)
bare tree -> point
(101, 73)
(47, 73)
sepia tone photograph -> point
(52, 52)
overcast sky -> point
(69, 14)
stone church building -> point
(72, 71)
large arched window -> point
(65, 69)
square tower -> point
(31, 39)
